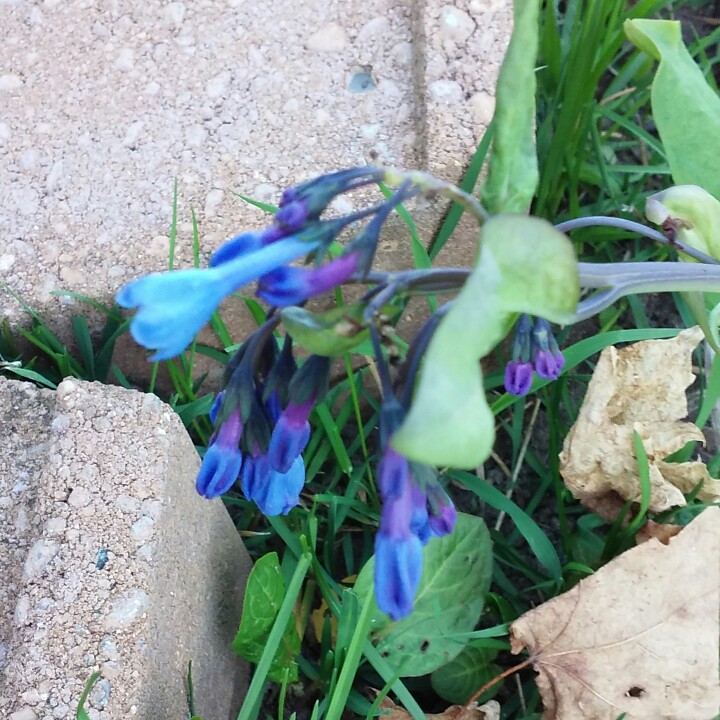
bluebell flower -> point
(534, 350)
(273, 492)
(293, 285)
(398, 558)
(290, 435)
(223, 460)
(518, 377)
(549, 361)
(173, 306)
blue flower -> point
(290, 435)
(173, 306)
(273, 492)
(292, 285)
(398, 568)
(223, 460)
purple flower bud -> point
(223, 460)
(290, 435)
(292, 216)
(292, 285)
(518, 377)
(442, 512)
(548, 365)
(549, 361)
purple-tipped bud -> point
(223, 460)
(518, 377)
(290, 436)
(292, 285)
(442, 513)
(292, 216)
(549, 361)
(548, 365)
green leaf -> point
(685, 109)
(329, 333)
(81, 712)
(449, 423)
(513, 171)
(455, 579)
(469, 671)
(263, 597)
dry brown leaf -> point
(639, 637)
(660, 531)
(639, 388)
(489, 711)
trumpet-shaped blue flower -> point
(290, 435)
(398, 557)
(273, 492)
(223, 460)
(292, 285)
(173, 306)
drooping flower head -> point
(534, 350)
(223, 460)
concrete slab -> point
(111, 561)
(103, 106)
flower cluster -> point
(415, 508)
(261, 424)
(534, 350)
(173, 306)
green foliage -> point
(264, 594)
(461, 677)
(455, 579)
(328, 333)
(81, 713)
(450, 422)
(513, 170)
(691, 138)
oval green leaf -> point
(463, 676)
(329, 333)
(686, 110)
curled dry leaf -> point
(638, 637)
(660, 531)
(639, 388)
(488, 711)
